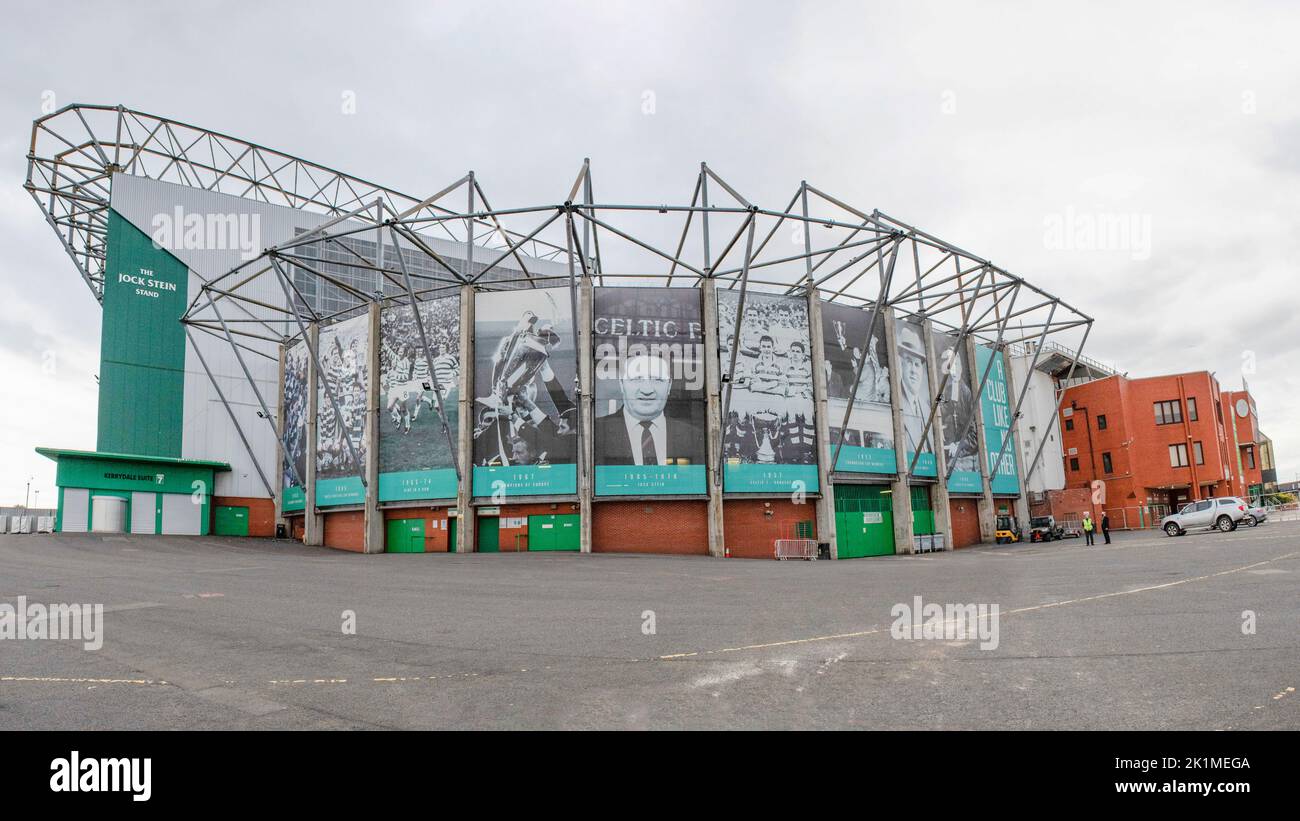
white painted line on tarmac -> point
(1030, 609)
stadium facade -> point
(288, 347)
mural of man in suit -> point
(641, 432)
(915, 383)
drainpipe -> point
(1187, 438)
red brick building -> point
(1158, 442)
(1246, 439)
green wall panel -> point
(142, 345)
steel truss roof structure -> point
(75, 151)
(816, 242)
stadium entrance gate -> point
(864, 521)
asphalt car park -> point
(1201, 631)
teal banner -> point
(294, 498)
(526, 480)
(925, 466)
(997, 423)
(649, 480)
(964, 481)
(346, 490)
(403, 485)
(857, 459)
(741, 477)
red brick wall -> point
(346, 530)
(261, 513)
(965, 521)
(437, 533)
(1139, 448)
(1069, 504)
(506, 537)
(749, 533)
(650, 527)
(297, 527)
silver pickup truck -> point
(1223, 513)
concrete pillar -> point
(825, 504)
(939, 493)
(1013, 454)
(713, 391)
(313, 521)
(374, 517)
(900, 489)
(466, 525)
(586, 405)
(984, 507)
(278, 476)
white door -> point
(76, 509)
(180, 515)
(144, 512)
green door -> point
(231, 520)
(554, 531)
(405, 536)
(922, 513)
(451, 535)
(864, 521)
(489, 534)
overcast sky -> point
(987, 124)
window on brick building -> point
(1168, 412)
(1191, 408)
(1074, 463)
(1106, 463)
(1218, 411)
(1101, 421)
(1198, 453)
(1069, 424)
(1250, 457)
(1178, 456)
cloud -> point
(973, 121)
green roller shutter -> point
(231, 520)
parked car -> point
(1223, 513)
(1045, 529)
(1256, 513)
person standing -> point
(1105, 526)
(1087, 528)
